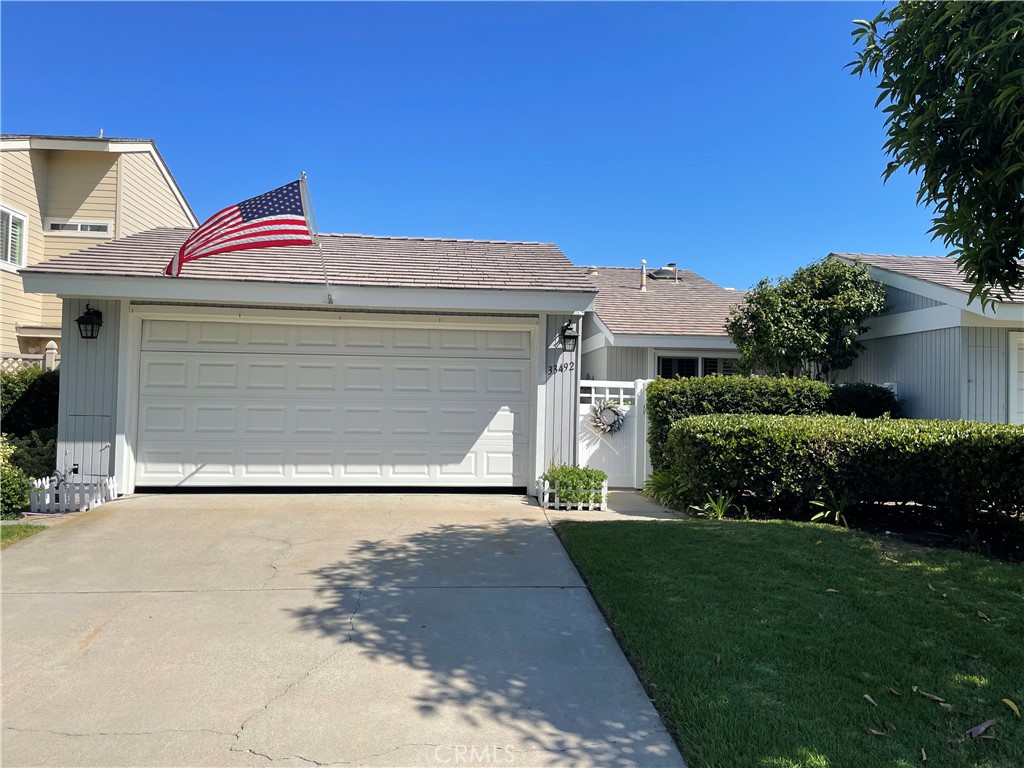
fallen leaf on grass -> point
(718, 659)
(831, 590)
(951, 709)
(974, 655)
(933, 589)
(870, 700)
(924, 756)
(977, 731)
(931, 696)
(894, 691)
(984, 616)
(890, 726)
(1012, 706)
(873, 732)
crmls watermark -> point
(472, 754)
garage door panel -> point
(184, 335)
(251, 374)
(181, 463)
(324, 420)
(233, 403)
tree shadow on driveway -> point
(478, 644)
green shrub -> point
(671, 399)
(576, 485)
(13, 483)
(778, 465)
(29, 400)
(869, 401)
(35, 454)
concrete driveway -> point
(233, 630)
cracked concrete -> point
(312, 630)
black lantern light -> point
(569, 337)
(89, 323)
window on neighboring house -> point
(12, 236)
(78, 227)
(670, 367)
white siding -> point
(561, 395)
(897, 300)
(595, 364)
(628, 364)
(927, 367)
(1016, 377)
(986, 396)
(88, 391)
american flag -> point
(274, 218)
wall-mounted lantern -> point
(89, 323)
(569, 337)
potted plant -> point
(569, 488)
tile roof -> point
(113, 139)
(939, 270)
(692, 306)
(362, 260)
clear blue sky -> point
(725, 137)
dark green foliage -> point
(778, 465)
(13, 483)
(672, 399)
(576, 484)
(952, 77)
(35, 454)
(869, 401)
(806, 324)
(29, 400)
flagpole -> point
(307, 209)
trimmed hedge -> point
(869, 401)
(669, 400)
(779, 464)
(28, 400)
(13, 483)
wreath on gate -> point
(607, 416)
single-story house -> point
(388, 362)
(948, 357)
(657, 322)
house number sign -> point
(561, 368)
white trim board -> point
(303, 294)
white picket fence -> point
(549, 498)
(47, 496)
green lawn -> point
(752, 660)
(12, 533)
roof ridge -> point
(434, 239)
(889, 255)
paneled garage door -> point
(231, 403)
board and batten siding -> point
(146, 199)
(628, 363)
(88, 392)
(561, 390)
(987, 353)
(897, 300)
(927, 368)
(22, 182)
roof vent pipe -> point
(592, 271)
(643, 275)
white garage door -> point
(230, 403)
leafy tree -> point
(806, 324)
(952, 75)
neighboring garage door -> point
(234, 403)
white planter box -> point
(549, 498)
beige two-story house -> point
(60, 194)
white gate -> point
(622, 454)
